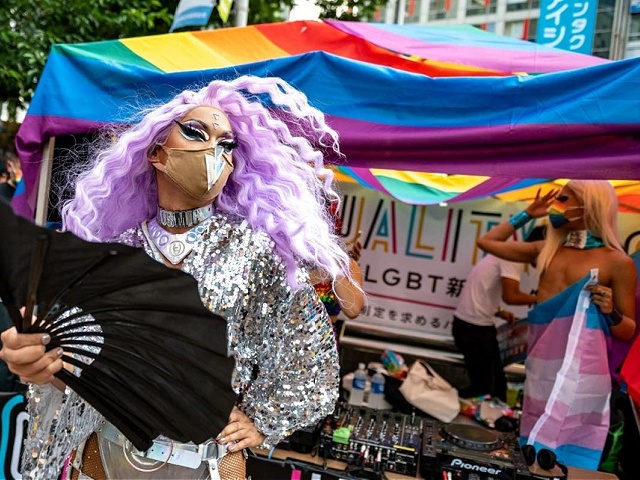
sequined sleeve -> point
(284, 336)
(298, 373)
(58, 423)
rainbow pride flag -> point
(468, 45)
(395, 112)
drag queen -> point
(586, 295)
(223, 186)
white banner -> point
(415, 259)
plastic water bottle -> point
(357, 387)
(376, 397)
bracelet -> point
(520, 219)
(616, 317)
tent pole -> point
(44, 183)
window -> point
(517, 29)
(440, 9)
(533, 28)
(516, 5)
(412, 11)
(604, 27)
(522, 29)
(478, 7)
(634, 28)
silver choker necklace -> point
(175, 246)
(183, 218)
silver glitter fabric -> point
(286, 359)
(59, 421)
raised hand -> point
(539, 207)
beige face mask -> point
(201, 174)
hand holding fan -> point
(149, 356)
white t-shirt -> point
(482, 292)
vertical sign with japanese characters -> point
(415, 259)
(567, 24)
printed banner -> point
(415, 259)
(567, 24)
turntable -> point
(472, 437)
(470, 452)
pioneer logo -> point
(457, 462)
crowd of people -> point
(218, 184)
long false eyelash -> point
(191, 133)
(228, 145)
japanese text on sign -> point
(416, 259)
(567, 24)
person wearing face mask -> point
(213, 182)
(586, 294)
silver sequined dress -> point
(285, 334)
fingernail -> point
(45, 339)
(59, 352)
(231, 447)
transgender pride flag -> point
(568, 385)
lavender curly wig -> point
(275, 184)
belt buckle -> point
(211, 449)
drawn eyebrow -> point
(201, 122)
(207, 127)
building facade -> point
(617, 30)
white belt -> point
(187, 455)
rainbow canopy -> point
(468, 45)
(394, 112)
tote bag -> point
(425, 389)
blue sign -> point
(567, 24)
(192, 13)
(635, 6)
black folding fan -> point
(151, 358)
